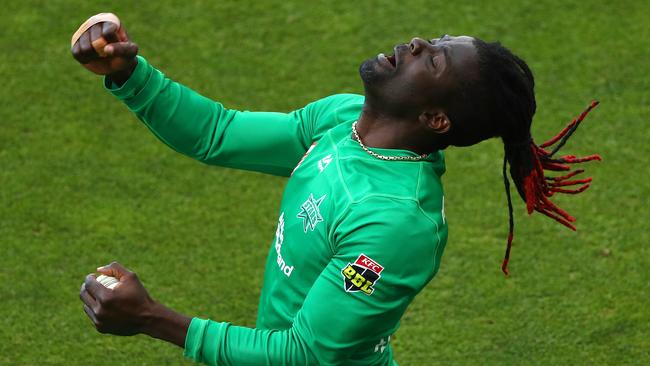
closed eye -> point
(440, 38)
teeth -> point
(389, 59)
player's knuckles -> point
(91, 282)
(134, 48)
(76, 50)
(85, 298)
(95, 31)
(126, 49)
(108, 29)
(78, 54)
(86, 48)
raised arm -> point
(196, 126)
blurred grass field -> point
(83, 183)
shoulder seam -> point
(338, 166)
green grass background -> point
(83, 183)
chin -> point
(370, 73)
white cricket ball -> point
(108, 281)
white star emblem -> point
(310, 212)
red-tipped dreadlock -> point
(501, 102)
(536, 188)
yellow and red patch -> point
(361, 275)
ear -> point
(437, 121)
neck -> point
(385, 132)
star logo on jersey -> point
(310, 212)
(324, 162)
(361, 275)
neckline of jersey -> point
(350, 141)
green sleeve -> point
(205, 130)
(335, 323)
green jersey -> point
(357, 237)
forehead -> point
(460, 39)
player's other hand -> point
(105, 47)
(124, 310)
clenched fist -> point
(128, 309)
(102, 45)
(125, 310)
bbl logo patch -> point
(361, 275)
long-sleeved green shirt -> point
(357, 237)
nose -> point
(416, 45)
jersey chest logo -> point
(310, 212)
(361, 275)
(324, 162)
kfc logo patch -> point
(361, 275)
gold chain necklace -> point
(383, 157)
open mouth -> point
(388, 61)
(392, 60)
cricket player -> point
(361, 228)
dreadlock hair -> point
(502, 103)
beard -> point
(379, 90)
(370, 75)
(391, 92)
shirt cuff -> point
(134, 84)
(205, 340)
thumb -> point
(121, 49)
(114, 270)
